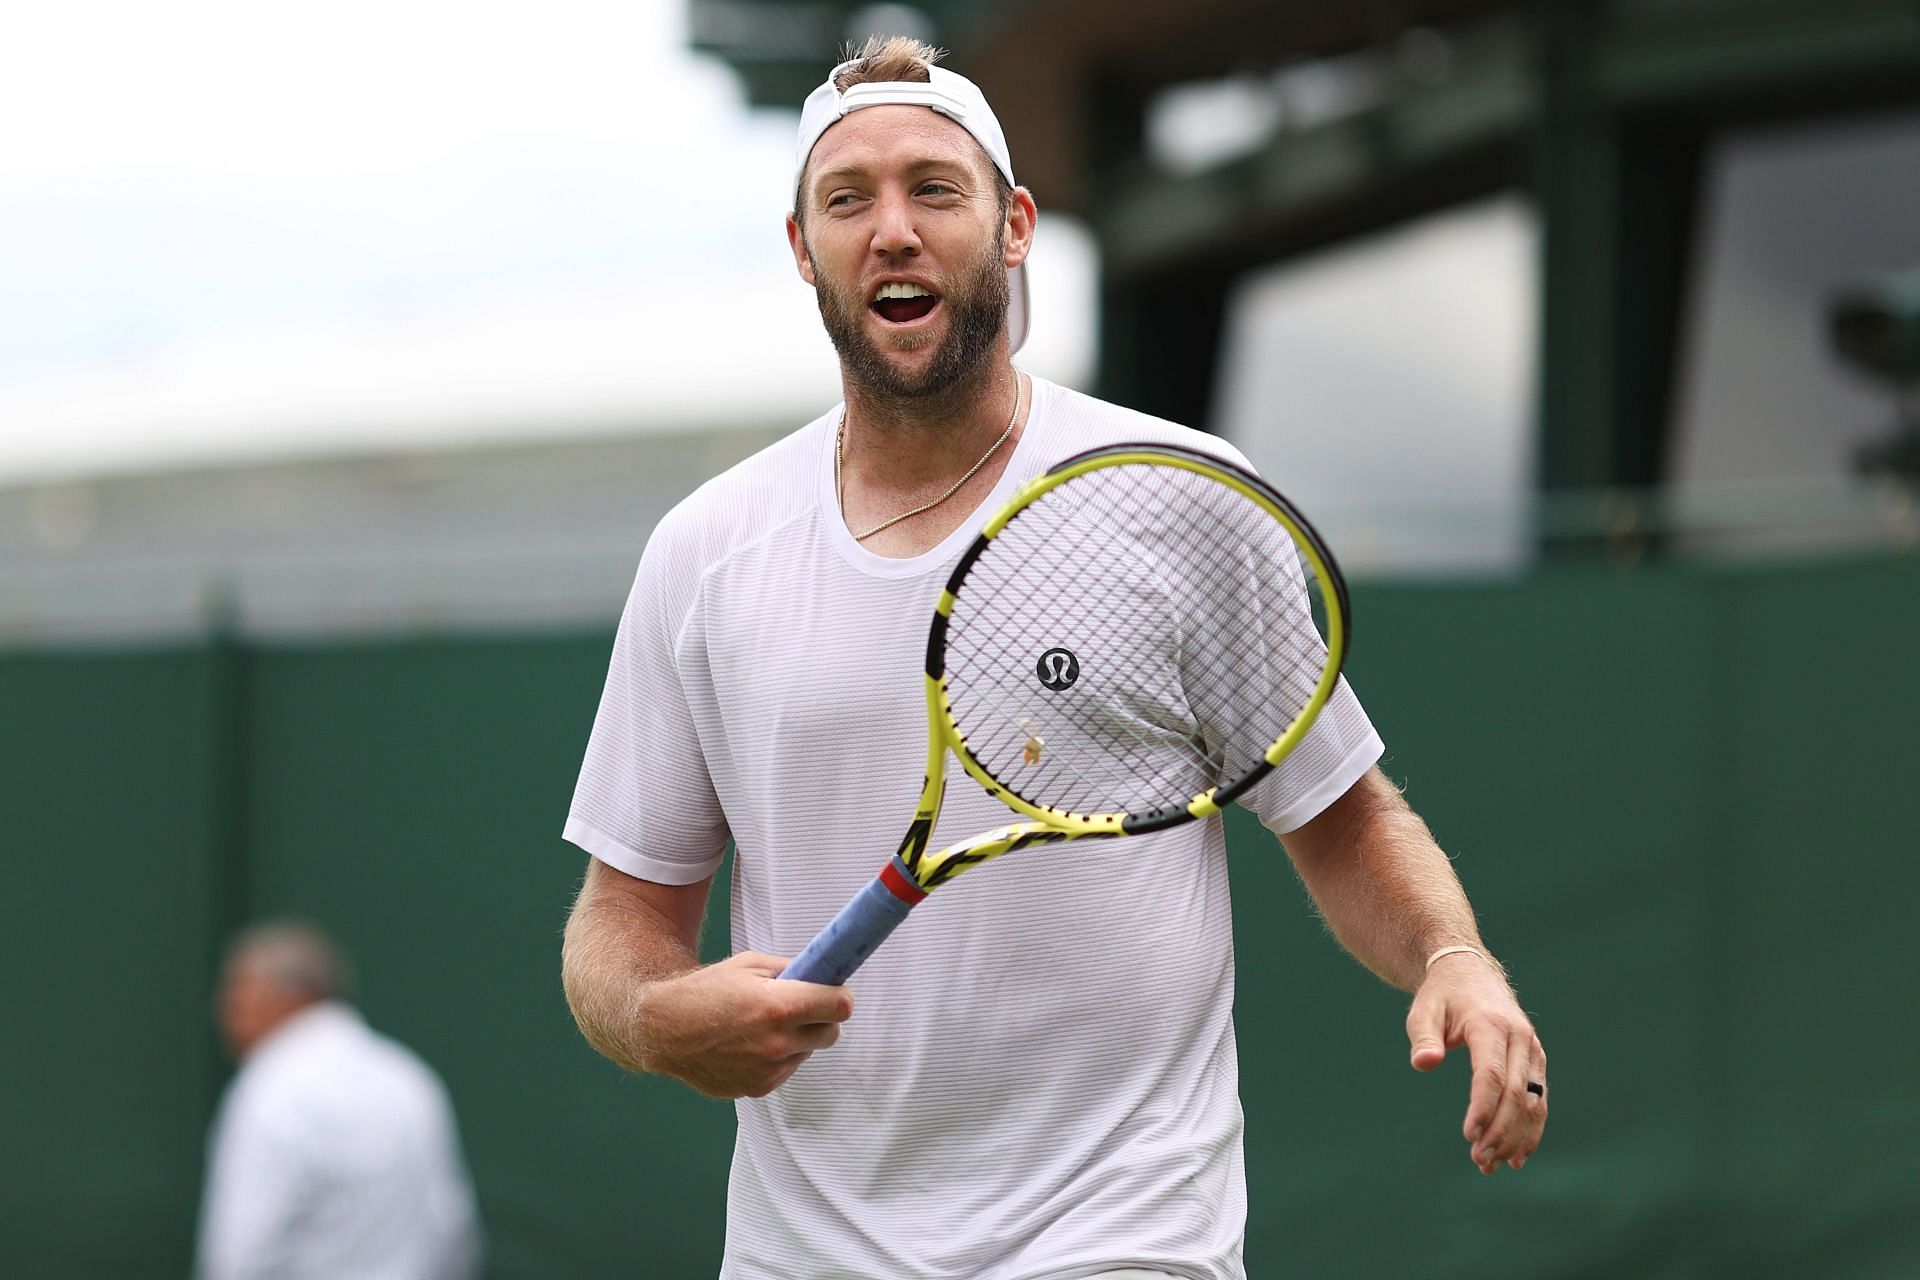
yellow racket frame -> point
(1046, 824)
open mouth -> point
(900, 303)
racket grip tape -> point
(863, 924)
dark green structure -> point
(1682, 797)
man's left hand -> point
(1466, 1001)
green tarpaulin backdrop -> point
(1683, 800)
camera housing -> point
(1875, 329)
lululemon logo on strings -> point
(1057, 669)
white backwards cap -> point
(953, 96)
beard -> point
(976, 309)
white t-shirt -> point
(1039, 1079)
(335, 1154)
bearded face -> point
(975, 301)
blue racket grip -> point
(863, 924)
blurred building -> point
(1464, 276)
(1469, 279)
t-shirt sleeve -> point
(644, 803)
(1254, 658)
(1337, 751)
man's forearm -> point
(630, 964)
(1381, 882)
(1391, 897)
(614, 947)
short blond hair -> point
(887, 58)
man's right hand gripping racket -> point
(1137, 638)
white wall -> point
(1386, 386)
(1791, 215)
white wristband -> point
(1455, 951)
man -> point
(334, 1153)
(1026, 1091)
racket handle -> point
(863, 924)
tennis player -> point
(1040, 1079)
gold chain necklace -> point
(840, 487)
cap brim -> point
(1017, 308)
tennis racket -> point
(1133, 641)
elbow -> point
(572, 957)
(588, 948)
(583, 982)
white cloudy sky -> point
(236, 229)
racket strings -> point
(1188, 633)
(1039, 596)
(1140, 736)
(1005, 717)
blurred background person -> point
(334, 1153)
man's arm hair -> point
(624, 933)
(1382, 884)
(631, 967)
(1391, 898)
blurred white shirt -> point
(335, 1155)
